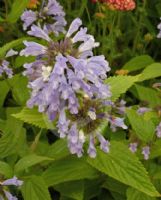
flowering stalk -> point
(50, 17)
(67, 83)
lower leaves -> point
(125, 167)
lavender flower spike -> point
(62, 78)
(158, 130)
(50, 17)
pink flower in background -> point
(119, 4)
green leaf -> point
(29, 161)
(19, 89)
(138, 63)
(150, 72)
(58, 150)
(125, 167)
(72, 189)
(68, 169)
(4, 88)
(16, 10)
(156, 149)
(35, 188)
(115, 186)
(32, 116)
(144, 128)
(10, 141)
(120, 84)
(148, 95)
(5, 169)
(92, 188)
(12, 44)
(21, 60)
(133, 194)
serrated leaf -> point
(29, 161)
(120, 84)
(21, 60)
(133, 194)
(156, 149)
(68, 169)
(5, 169)
(72, 189)
(19, 84)
(92, 188)
(144, 128)
(16, 10)
(11, 138)
(115, 186)
(138, 63)
(148, 95)
(150, 72)
(125, 167)
(58, 150)
(10, 45)
(34, 188)
(32, 116)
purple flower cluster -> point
(159, 27)
(62, 72)
(50, 16)
(67, 83)
(13, 181)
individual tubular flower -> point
(116, 122)
(159, 27)
(146, 152)
(4, 69)
(6, 194)
(143, 110)
(67, 83)
(4, 64)
(50, 17)
(158, 130)
(133, 147)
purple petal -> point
(38, 32)
(76, 23)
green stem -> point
(36, 141)
(139, 30)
